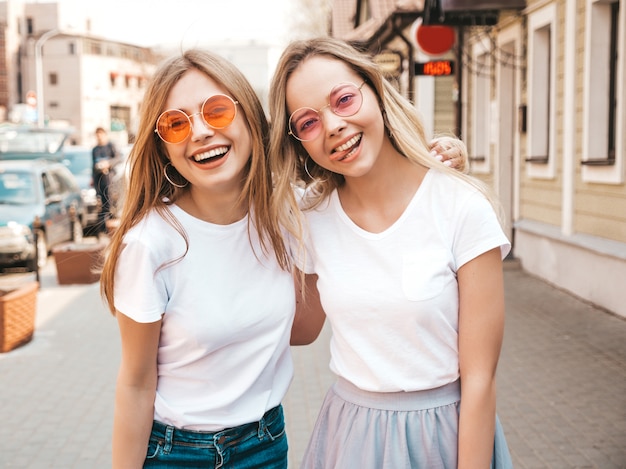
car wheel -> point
(42, 249)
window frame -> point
(598, 164)
(542, 58)
(482, 108)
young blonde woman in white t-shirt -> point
(406, 255)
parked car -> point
(79, 161)
(26, 142)
(40, 207)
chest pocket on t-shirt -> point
(424, 273)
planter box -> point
(78, 262)
(17, 315)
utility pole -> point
(39, 72)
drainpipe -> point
(459, 82)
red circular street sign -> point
(435, 39)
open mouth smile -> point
(350, 147)
(211, 155)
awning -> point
(468, 12)
(481, 5)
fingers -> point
(450, 151)
(449, 156)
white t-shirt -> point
(224, 357)
(392, 297)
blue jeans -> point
(261, 444)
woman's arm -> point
(310, 315)
(481, 329)
(135, 392)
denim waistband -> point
(174, 435)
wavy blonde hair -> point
(288, 158)
(147, 189)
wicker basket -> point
(17, 316)
(78, 262)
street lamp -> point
(39, 73)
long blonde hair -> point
(147, 189)
(288, 157)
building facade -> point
(554, 137)
(89, 81)
(539, 96)
(78, 80)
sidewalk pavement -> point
(561, 382)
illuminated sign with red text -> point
(435, 68)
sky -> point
(187, 23)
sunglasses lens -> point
(219, 111)
(173, 126)
(305, 124)
(346, 99)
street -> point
(561, 381)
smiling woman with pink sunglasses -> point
(405, 255)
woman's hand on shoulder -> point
(450, 151)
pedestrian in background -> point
(406, 255)
(104, 156)
(198, 277)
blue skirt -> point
(412, 430)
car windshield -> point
(25, 141)
(16, 188)
(78, 162)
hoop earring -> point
(316, 180)
(180, 186)
(306, 169)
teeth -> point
(347, 154)
(210, 154)
(349, 144)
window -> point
(480, 70)
(29, 26)
(64, 183)
(53, 78)
(541, 93)
(50, 185)
(603, 114)
(94, 47)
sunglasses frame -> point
(201, 113)
(319, 112)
